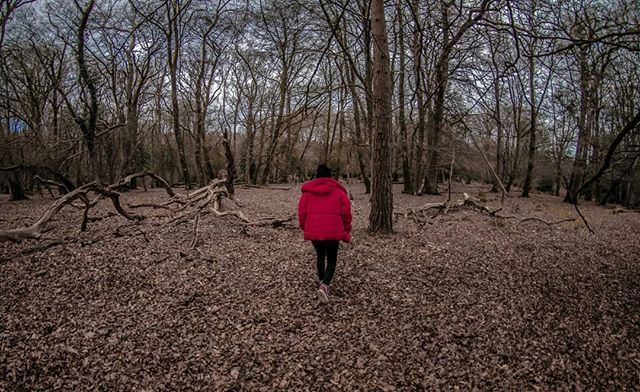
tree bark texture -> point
(88, 126)
(404, 141)
(381, 216)
(533, 123)
(173, 54)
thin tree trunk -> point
(327, 129)
(420, 124)
(277, 129)
(579, 163)
(406, 166)
(532, 123)
(89, 127)
(173, 54)
(498, 120)
(436, 123)
(250, 128)
(230, 162)
(360, 153)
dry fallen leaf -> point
(455, 302)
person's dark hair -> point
(323, 171)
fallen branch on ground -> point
(119, 233)
(443, 206)
(62, 189)
(547, 223)
(151, 205)
(273, 222)
(275, 188)
(36, 230)
(200, 202)
(126, 182)
(620, 210)
(417, 213)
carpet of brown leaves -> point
(457, 301)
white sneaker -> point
(323, 293)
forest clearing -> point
(466, 173)
(456, 300)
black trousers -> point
(326, 251)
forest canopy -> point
(548, 91)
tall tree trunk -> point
(441, 81)
(327, 130)
(199, 125)
(499, 136)
(436, 122)
(173, 54)
(420, 126)
(596, 140)
(404, 142)
(15, 187)
(582, 146)
(368, 73)
(198, 148)
(381, 216)
(357, 123)
(514, 169)
(230, 165)
(341, 127)
(261, 148)
(89, 125)
(526, 187)
(500, 169)
(249, 162)
(279, 125)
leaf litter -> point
(457, 300)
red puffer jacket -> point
(324, 210)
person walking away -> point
(324, 215)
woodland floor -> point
(458, 301)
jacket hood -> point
(322, 185)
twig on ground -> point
(195, 230)
(275, 188)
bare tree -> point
(450, 38)
(8, 7)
